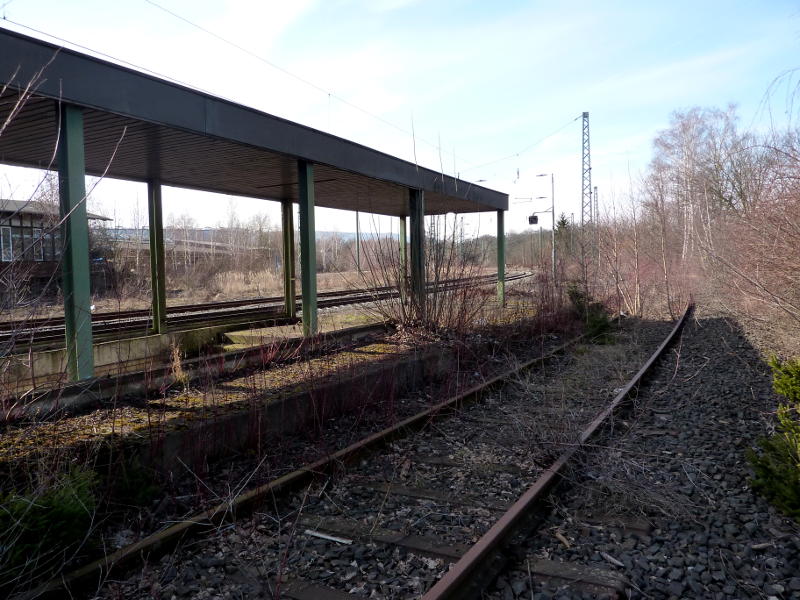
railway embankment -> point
(665, 505)
(390, 524)
(165, 457)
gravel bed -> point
(245, 559)
(680, 465)
(193, 491)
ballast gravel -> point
(520, 426)
(681, 467)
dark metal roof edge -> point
(34, 207)
(181, 107)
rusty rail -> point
(50, 330)
(156, 544)
(465, 578)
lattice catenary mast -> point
(586, 195)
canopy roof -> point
(38, 209)
(142, 128)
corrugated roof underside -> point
(132, 149)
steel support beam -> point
(76, 280)
(402, 279)
(501, 258)
(289, 290)
(157, 275)
(308, 247)
(358, 243)
(416, 210)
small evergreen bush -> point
(777, 463)
(786, 378)
(132, 484)
(38, 525)
(593, 314)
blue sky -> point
(479, 80)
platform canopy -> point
(143, 128)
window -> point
(16, 241)
(5, 243)
(47, 243)
(57, 246)
(38, 245)
(27, 243)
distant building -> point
(30, 236)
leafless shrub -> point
(619, 484)
(714, 216)
(450, 258)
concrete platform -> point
(240, 413)
(330, 321)
(33, 371)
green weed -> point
(776, 463)
(39, 528)
(592, 313)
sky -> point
(489, 91)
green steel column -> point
(416, 209)
(308, 247)
(157, 274)
(358, 243)
(289, 291)
(501, 259)
(403, 278)
(75, 235)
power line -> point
(200, 89)
(288, 73)
(115, 59)
(238, 47)
(330, 94)
(525, 149)
(5, 4)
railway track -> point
(50, 330)
(428, 512)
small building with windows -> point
(30, 237)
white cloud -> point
(487, 78)
(258, 25)
(674, 81)
(388, 5)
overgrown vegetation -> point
(131, 483)
(786, 378)
(776, 464)
(593, 314)
(717, 212)
(449, 255)
(43, 525)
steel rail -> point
(139, 320)
(163, 541)
(464, 578)
(56, 321)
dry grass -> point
(227, 285)
(625, 484)
(197, 401)
(560, 408)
